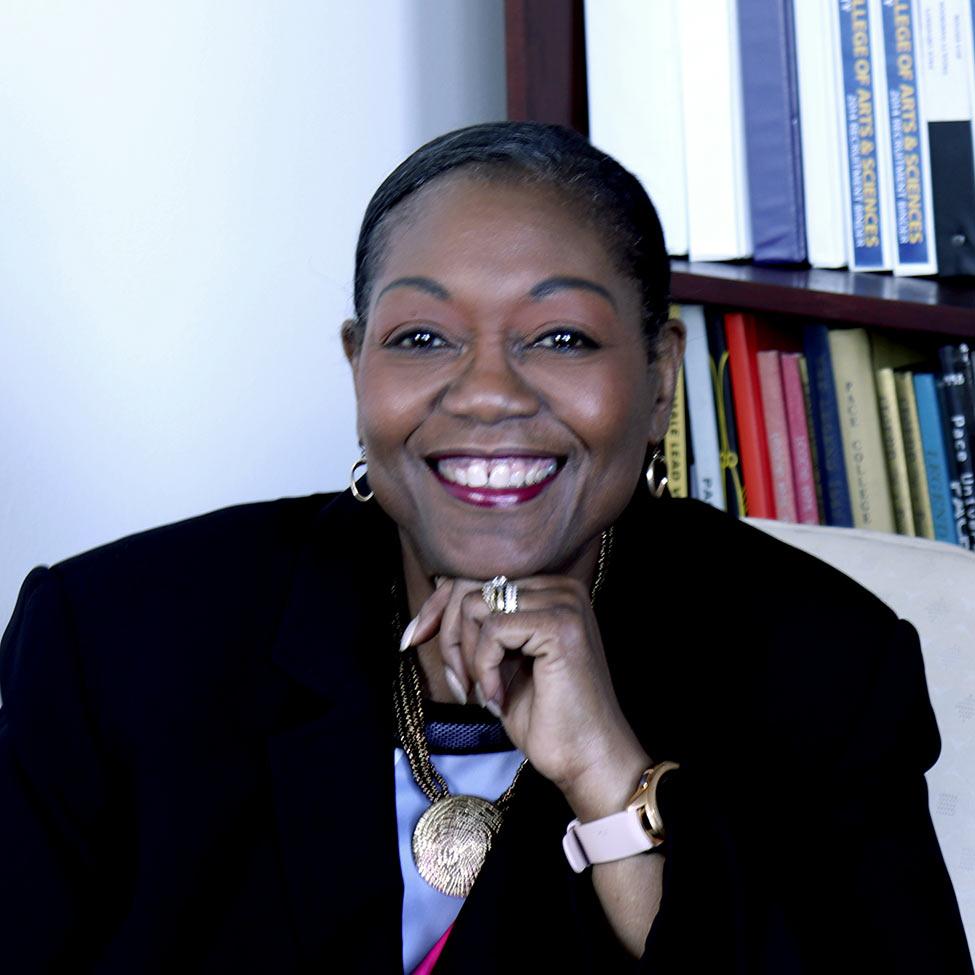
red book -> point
(777, 435)
(796, 416)
(741, 331)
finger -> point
(547, 634)
(427, 621)
(450, 642)
(536, 594)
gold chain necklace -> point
(453, 836)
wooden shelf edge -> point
(915, 304)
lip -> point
(488, 497)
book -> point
(908, 147)
(708, 477)
(935, 457)
(734, 485)
(777, 435)
(810, 427)
(890, 425)
(917, 477)
(800, 450)
(710, 80)
(946, 70)
(633, 78)
(675, 445)
(867, 145)
(863, 448)
(959, 423)
(828, 438)
(823, 134)
(741, 332)
(773, 150)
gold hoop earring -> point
(356, 493)
(657, 473)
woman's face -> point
(505, 397)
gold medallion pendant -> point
(452, 840)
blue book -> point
(935, 457)
(865, 124)
(770, 92)
(913, 209)
(826, 423)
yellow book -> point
(675, 445)
(917, 475)
(863, 444)
(890, 425)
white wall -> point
(181, 184)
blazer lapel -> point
(332, 768)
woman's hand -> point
(543, 670)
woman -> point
(197, 724)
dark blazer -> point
(196, 769)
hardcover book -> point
(837, 510)
(777, 435)
(675, 445)
(796, 413)
(741, 331)
(890, 424)
(917, 476)
(959, 422)
(708, 476)
(734, 485)
(935, 458)
(863, 448)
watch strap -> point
(636, 829)
(613, 837)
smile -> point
(495, 482)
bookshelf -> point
(546, 74)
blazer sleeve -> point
(863, 883)
(892, 905)
(52, 788)
(810, 847)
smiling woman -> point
(224, 748)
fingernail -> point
(438, 581)
(407, 640)
(456, 687)
(491, 707)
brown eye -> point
(418, 340)
(566, 340)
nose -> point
(488, 387)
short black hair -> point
(609, 196)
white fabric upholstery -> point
(932, 585)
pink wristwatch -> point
(635, 830)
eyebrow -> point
(543, 289)
(428, 285)
(552, 285)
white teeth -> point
(500, 475)
(477, 474)
(508, 472)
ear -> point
(351, 342)
(668, 356)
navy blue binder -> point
(770, 92)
